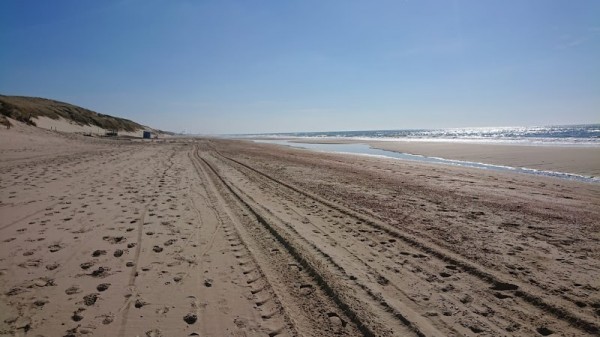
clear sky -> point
(275, 66)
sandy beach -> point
(212, 237)
(569, 159)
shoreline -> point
(576, 160)
(583, 161)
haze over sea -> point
(559, 135)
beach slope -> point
(219, 237)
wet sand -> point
(578, 160)
(221, 237)
(568, 159)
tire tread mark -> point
(332, 293)
(558, 312)
(256, 267)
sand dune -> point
(63, 125)
(228, 238)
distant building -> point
(147, 135)
(111, 133)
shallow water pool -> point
(366, 150)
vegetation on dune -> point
(24, 109)
(4, 121)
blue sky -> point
(276, 66)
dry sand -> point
(227, 238)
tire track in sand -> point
(519, 290)
(132, 275)
(276, 320)
(325, 276)
(138, 249)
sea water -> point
(565, 135)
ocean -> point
(563, 135)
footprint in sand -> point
(40, 302)
(107, 319)
(42, 282)
(33, 263)
(54, 248)
(98, 252)
(77, 315)
(103, 286)
(190, 318)
(72, 290)
(306, 289)
(154, 333)
(140, 303)
(114, 239)
(90, 299)
(337, 324)
(52, 266)
(86, 265)
(100, 272)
